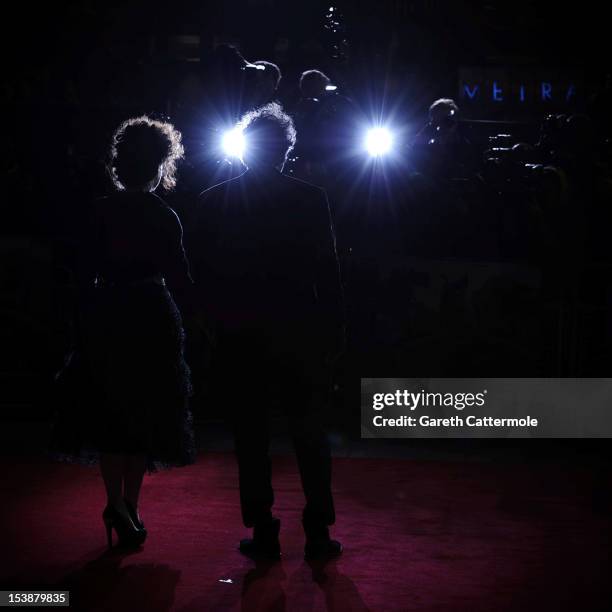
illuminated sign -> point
(546, 90)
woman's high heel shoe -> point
(133, 514)
(130, 536)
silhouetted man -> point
(268, 80)
(442, 147)
(326, 122)
(264, 255)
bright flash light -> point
(233, 143)
(378, 141)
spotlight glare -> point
(378, 141)
(233, 143)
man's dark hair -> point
(270, 69)
(444, 108)
(313, 83)
(270, 135)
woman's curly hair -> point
(140, 147)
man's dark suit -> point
(264, 255)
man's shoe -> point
(322, 549)
(265, 543)
(319, 545)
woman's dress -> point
(126, 386)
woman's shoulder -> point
(162, 207)
(136, 205)
(166, 215)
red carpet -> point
(428, 536)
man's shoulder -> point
(219, 189)
(212, 203)
(304, 187)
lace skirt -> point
(126, 386)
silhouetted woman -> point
(132, 411)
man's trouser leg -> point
(252, 444)
(314, 459)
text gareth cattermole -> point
(412, 401)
